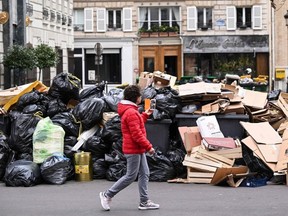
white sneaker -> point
(104, 201)
(148, 205)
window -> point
(114, 19)
(204, 18)
(152, 17)
(243, 17)
(78, 20)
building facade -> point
(34, 22)
(213, 38)
(115, 41)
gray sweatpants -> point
(136, 166)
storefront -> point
(215, 56)
(161, 54)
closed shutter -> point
(191, 18)
(231, 17)
(88, 19)
(127, 19)
(101, 20)
(257, 17)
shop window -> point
(153, 17)
(114, 19)
(78, 19)
(109, 70)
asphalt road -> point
(82, 199)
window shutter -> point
(191, 18)
(88, 19)
(257, 17)
(231, 17)
(127, 19)
(101, 20)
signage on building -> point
(220, 22)
(226, 44)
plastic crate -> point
(158, 133)
(229, 124)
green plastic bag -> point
(48, 138)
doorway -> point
(170, 65)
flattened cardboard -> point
(222, 173)
(262, 132)
(254, 99)
(251, 144)
(270, 152)
(282, 102)
(199, 88)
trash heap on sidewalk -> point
(202, 132)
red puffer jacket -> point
(133, 129)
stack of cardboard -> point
(201, 162)
(267, 144)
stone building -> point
(211, 36)
(32, 22)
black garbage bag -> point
(95, 91)
(55, 106)
(113, 97)
(96, 146)
(89, 112)
(23, 156)
(65, 86)
(112, 130)
(116, 171)
(22, 173)
(176, 156)
(100, 168)
(273, 95)
(22, 129)
(5, 152)
(69, 142)
(149, 93)
(32, 97)
(35, 108)
(56, 169)
(255, 164)
(68, 122)
(168, 103)
(161, 168)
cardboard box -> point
(145, 80)
(190, 136)
(208, 126)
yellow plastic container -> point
(83, 166)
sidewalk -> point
(82, 199)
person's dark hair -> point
(131, 93)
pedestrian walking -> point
(135, 145)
